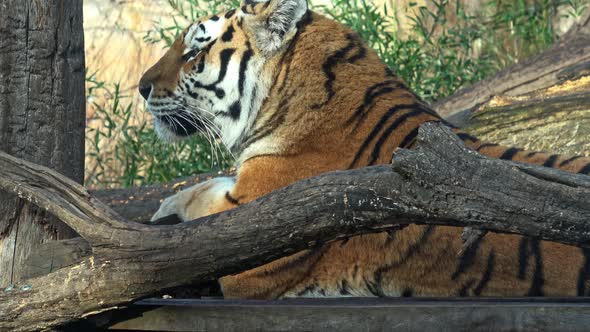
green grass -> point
(437, 59)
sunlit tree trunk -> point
(41, 113)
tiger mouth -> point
(181, 125)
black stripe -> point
(203, 39)
(202, 27)
(314, 255)
(228, 35)
(377, 128)
(307, 290)
(375, 288)
(413, 249)
(409, 138)
(344, 288)
(407, 292)
(243, 67)
(245, 9)
(467, 258)
(190, 54)
(219, 93)
(275, 121)
(371, 94)
(306, 20)
(235, 110)
(209, 47)
(332, 61)
(225, 57)
(530, 154)
(487, 275)
(387, 132)
(523, 257)
(585, 169)
(230, 198)
(364, 109)
(230, 13)
(328, 69)
(253, 97)
(584, 275)
(550, 162)
(214, 18)
(201, 65)
(568, 161)
(362, 51)
(510, 153)
(538, 278)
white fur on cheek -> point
(256, 87)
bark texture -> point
(42, 113)
(441, 182)
(560, 124)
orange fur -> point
(334, 105)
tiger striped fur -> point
(295, 94)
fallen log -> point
(441, 182)
(567, 59)
(537, 122)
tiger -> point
(294, 94)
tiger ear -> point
(274, 21)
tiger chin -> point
(294, 94)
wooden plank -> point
(363, 314)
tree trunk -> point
(441, 182)
(42, 113)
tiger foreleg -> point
(200, 200)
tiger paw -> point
(168, 207)
(197, 201)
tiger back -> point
(294, 94)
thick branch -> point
(62, 197)
(439, 183)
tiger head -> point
(218, 72)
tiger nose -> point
(145, 90)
